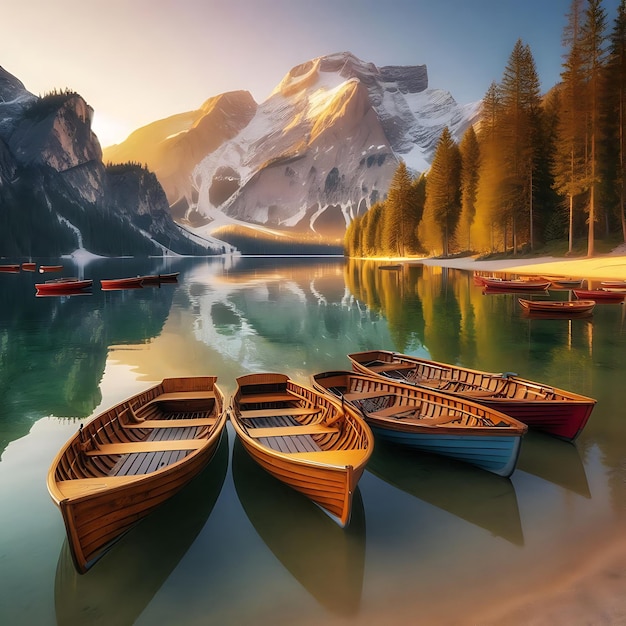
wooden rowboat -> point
(544, 407)
(50, 268)
(304, 438)
(29, 267)
(63, 286)
(157, 279)
(430, 421)
(134, 282)
(560, 307)
(131, 458)
(516, 284)
(600, 295)
(12, 268)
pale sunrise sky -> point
(137, 61)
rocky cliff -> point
(56, 195)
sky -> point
(138, 61)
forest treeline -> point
(534, 169)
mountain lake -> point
(430, 541)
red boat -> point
(10, 268)
(558, 307)
(516, 284)
(157, 279)
(600, 295)
(29, 267)
(122, 283)
(50, 268)
(62, 286)
(542, 407)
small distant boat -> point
(157, 279)
(13, 268)
(565, 283)
(29, 267)
(430, 421)
(543, 407)
(169, 278)
(516, 284)
(63, 286)
(50, 268)
(134, 282)
(620, 284)
(304, 438)
(600, 295)
(131, 458)
(561, 307)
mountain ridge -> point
(320, 150)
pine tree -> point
(615, 84)
(569, 167)
(520, 106)
(397, 211)
(593, 51)
(470, 169)
(442, 207)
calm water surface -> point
(430, 542)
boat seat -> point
(258, 413)
(340, 458)
(285, 431)
(396, 410)
(365, 395)
(392, 367)
(443, 418)
(173, 423)
(256, 398)
(146, 446)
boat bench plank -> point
(255, 398)
(393, 366)
(341, 458)
(80, 486)
(258, 413)
(173, 423)
(395, 409)
(147, 446)
(285, 431)
(366, 395)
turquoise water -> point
(430, 541)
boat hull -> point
(328, 474)
(64, 286)
(600, 295)
(122, 283)
(555, 411)
(103, 494)
(558, 307)
(497, 455)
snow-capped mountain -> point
(320, 150)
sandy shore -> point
(606, 267)
(594, 593)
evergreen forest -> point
(537, 169)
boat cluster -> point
(73, 286)
(581, 304)
(316, 437)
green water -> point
(430, 542)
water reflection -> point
(119, 587)
(471, 494)
(328, 561)
(556, 461)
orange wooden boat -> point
(50, 268)
(543, 407)
(304, 438)
(517, 284)
(600, 295)
(132, 457)
(134, 282)
(64, 285)
(559, 307)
